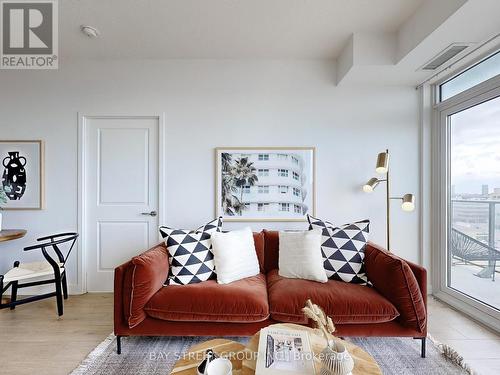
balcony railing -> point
(473, 234)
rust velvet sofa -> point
(395, 305)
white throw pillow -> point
(300, 256)
(234, 255)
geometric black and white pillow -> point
(190, 253)
(343, 249)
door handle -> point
(152, 213)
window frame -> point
(281, 156)
(286, 188)
(287, 205)
(264, 207)
(263, 157)
(282, 172)
(265, 172)
(263, 189)
(438, 86)
(441, 192)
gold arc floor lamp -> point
(408, 200)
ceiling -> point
(224, 29)
(367, 41)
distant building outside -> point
(485, 190)
(470, 214)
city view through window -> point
(474, 235)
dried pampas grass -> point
(324, 323)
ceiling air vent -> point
(445, 56)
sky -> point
(475, 147)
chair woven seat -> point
(30, 270)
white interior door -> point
(121, 193)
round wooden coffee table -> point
(364, 364)
(225, 348)
(244, 359)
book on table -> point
(284, 352)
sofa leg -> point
(118, 345)
(424, 341)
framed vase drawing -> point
(22, 174)
(265, 183)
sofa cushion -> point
(345, 303)
(343, 249)
(142, 281)
(300, 255)
(271, 249)
(393, 277)
(242, 301)
(191, 257)
(258, 239)
(234, 255)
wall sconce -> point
(407, 200)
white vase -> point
(336, 360)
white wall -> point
(219, 103)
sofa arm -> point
(137, 281)
(394, 278)
(122, 272)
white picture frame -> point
(22, 174)
(265, 183)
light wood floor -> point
(34, 341)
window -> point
(285, 207)
(246, 189)
(282, 156)
(262, 206)
(263, 157)
(295, 160)
(283, 172)
(474, 139)
(296, 192)
(467, 137)
(283, 189)
(263, 189)
(482, 71)
(297, 209)
(263, 172)
(295, 176)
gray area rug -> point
(157, 355)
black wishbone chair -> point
(49, 267)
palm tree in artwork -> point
(230, 203)
(226, 161)
(244, 175)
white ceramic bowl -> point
(220, 366)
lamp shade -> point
(382, 163)
(370, 185)
(408, 202)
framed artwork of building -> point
(265, 184)
(22, 174)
